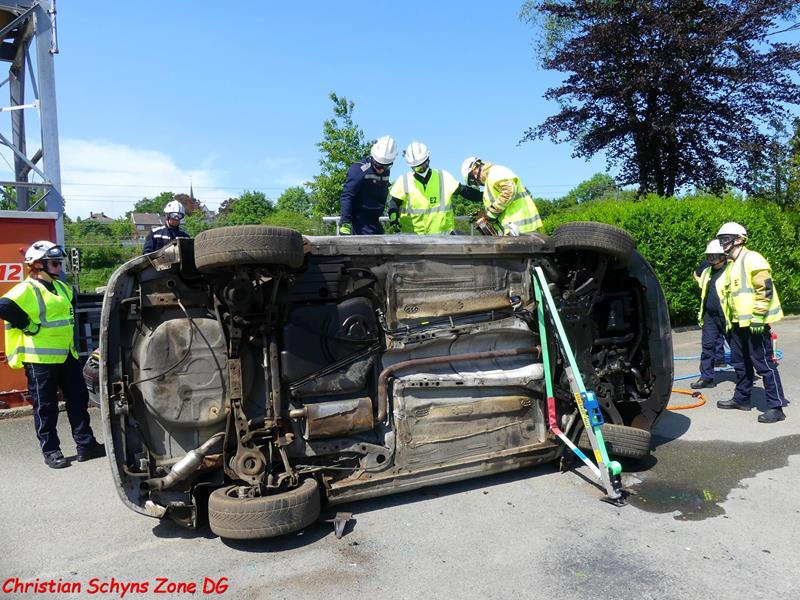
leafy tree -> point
(152, 205)
(249, 208)
(598, 186)
(793, 169)
(99, 243)
(225, 207)
(779, 181)
(299, 222)
(295, 199)
(8, 198)
(342, 144)
(121, 228)
(197, 215)
(190, 204)
(462, 206)
(196, 222)
(675, 93)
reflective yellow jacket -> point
(54, 315)
(504, 195)
(748, 291)
(426, 209)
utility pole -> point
(22, 24)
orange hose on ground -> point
(688, 406)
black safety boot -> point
(773, 415)
(55, 460)
(96, 450)
(702, 383)
(733, 404)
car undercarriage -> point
(270, 373)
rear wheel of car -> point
(264, 516)
(225, 247)
(621, 441)
(599, 237)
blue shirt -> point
(713, 306)
(161, 236)
(363, 199)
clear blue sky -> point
(233, 95)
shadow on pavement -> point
(170, 530)
(322, 528)
(311, 534)
(671, 426)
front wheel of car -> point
(225, 247)
(232, 517)
(621, 441)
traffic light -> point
(75, 259)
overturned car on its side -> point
(266, 373)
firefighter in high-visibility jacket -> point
(750, 303)
(507, 202)
(39, 337)
(711, 316)
(421, 201)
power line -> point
(201, 187)
(790, 28)
(241, 187)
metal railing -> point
(335, 220)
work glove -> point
(757, 326)
(394, 221)
(346, 229)
(486, 223)
(493, 216)
(31, 328)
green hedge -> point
(672, 234)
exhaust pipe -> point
(185, 466)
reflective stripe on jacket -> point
(743, 297)
(519, 211)
(55, 317)
(426, 209)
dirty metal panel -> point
(437, 425)
(436, 288)
(406, 246)
(338, 418)
(176, 406)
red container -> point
(18, 230)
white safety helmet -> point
(732, 228)
(384, 151)
(714, 247)
(44, 250)
(174, 207)
(416, 154)
(731, 235)
(467, 166)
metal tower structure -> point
(24, 24)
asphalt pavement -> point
(715, 514)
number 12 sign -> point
(11, 272)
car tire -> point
(237, 518)
(599, 237)
(224, 247)
(621, 441)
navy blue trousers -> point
(754, 353)
(366, 222)
(43, 384)
(713, 344)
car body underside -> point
(251, 365)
